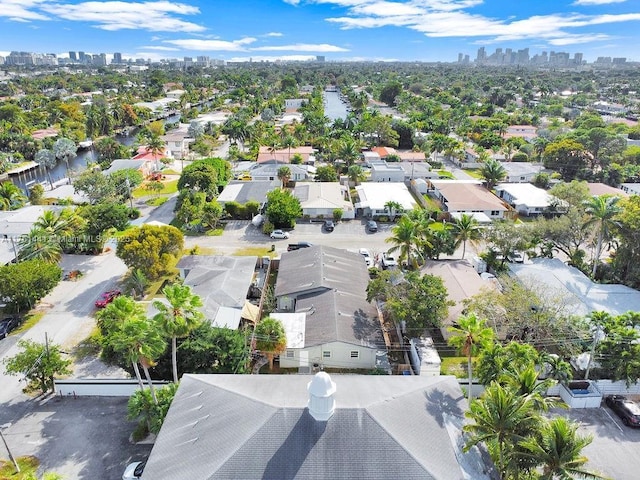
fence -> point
(99, 387)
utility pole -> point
(598, 335)
(13, 460)
(46, 348)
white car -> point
(279, 234)
(517, 257)
(388, 261)
(133, 471)
(367, 256)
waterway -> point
(334, 106)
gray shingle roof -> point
(258, 427)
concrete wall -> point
(99, 387)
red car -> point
(107, 297)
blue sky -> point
(341, 30)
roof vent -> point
(321, 402)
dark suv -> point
(372, 226)
(7, 325)
(329, 225)
(297, 246)
(626, 409)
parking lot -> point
(614, 450)
(78, 438)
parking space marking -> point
(612, 419)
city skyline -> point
(339, 30)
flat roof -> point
(526, 194)
(375, 195)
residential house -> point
(597, 189)
(340, 328)
(294, 103)
(411, 156)
(268, 171)
(177, 144)
(384, 152)
(267, 154)
(520, 172)
(320, 199)
(374, 427)
(469, 197)
(246, 191)
(528, 132)
(154, 159)
(370, 157)
(224, 284)
(417, 170)
(374, 196)
(382, 171)
(529, 200)
(144, 166)
(631, 188)
(175, 94)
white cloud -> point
(158, 16)
(301, 47)
(274, 34)
(160, 48)
(597, 2)
(21, 10)
(197, 44)
(575, 39)
(290, 58)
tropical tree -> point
(557, 447)
(501, 419)
(348, 150)
(492, 172)
(270, 338)
(393, 208)
(136, 282)
(602, 211)
(11, 197)
(469, 335)
(65, 149)
(526, 382)
(284, 174)
(46, 158)
(179, 317)
(465, 229)
(38, 363)
(356, 174)
(141, 406)
(141, 341)
(405, 239)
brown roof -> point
(284, 155)
(44, 133)
(384, 151)
(466, 197)
(598, 189)
(411, 156)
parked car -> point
(516, 257)
(626, 409)
(387, 261)
(328, 225)
(367, 256)
(297, 246)
(279, 234)
(107, 297)
(7, 325)
(133, 471)
(372, 226)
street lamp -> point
(598, 336)
(128, 184)
(13, 460)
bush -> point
(267, 227)
(251, 209)
(133, 213)
(232, 209)
(520, 157)
(337, 214)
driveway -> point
(614, 450)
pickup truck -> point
(387, 261)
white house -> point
(631, 188)
(177, 144)
(382, 171)
(528, 199)
(468, 197)
(320, 199)
(521, 172)
(375, 195)
(175, 94)
(268, 171)
(338, 328)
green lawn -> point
(474, 172)
(169, 187)
(454, 366)
(445, 174)
(255, 251)
(157, 201)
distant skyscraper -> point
(73, 57)
(482, 55)
(117, 57)
(82, 58)
(320, 58)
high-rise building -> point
(82, 58)
(320, 58)
(117, 57)
(73, 57)
(481, 56)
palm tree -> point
(11, 197)
(141, 341)
(284, 174)
(45, 158)
(602, 211)
(469, 335)
(136, 282)
(501, 419)
(179, 318)
(62, 224)
(155, 146)
(558, 449)
(348, 150)
(270, 338)
(393, 208)
(527, 382)
(493, 173)
(404, 237)
(40, 245)
(465, 229)
(356, 174)
(114, 314)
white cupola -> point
(321, 402)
